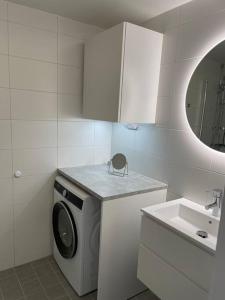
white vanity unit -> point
(174, 261)
(122, 198)
(121, 74)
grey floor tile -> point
(12, 294)
(68, 288)
(48, 280)
(9, 283)
(40, 295)
(31, 287)
(147, 295)
(55, 291)
(54, 265)
(7, 273)
(44, 270)
(25, 271)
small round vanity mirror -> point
(205, 99)
(119, 161)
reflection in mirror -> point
(205, 100)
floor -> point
(42, 280)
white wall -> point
(41, 66)
(170, 151)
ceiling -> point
(105, 13)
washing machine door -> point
(64, 229)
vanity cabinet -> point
(121, 74)
(172, 267)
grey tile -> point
(40, 295)
(9, 283)
(94, 295)
(25, 273)
(31, 287)
(61, 277)
(64, 298)
(54, 266)
(88, 297)
(48, 280)
(147, 295)
(44, 270)
(7, 273)
(1, 295)
(55, 292)
(69, 290)
(14, 293)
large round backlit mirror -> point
(205, 100)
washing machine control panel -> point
(74, 199)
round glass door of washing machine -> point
(64, 229)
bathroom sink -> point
(189, 219)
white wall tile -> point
(33, 17)
(34, 134)
(25, 41)
(3, 37)
(5, 164)
(29, 113)
(30, 105)
(33, 196)
(102, 154)
(4, 103)
(33, 75)
(5, 134)
(170, 151)
(4, 71)
(71, 51)
(35, 161)
(76, 156)
(70, 106)
(3, 10)
(103, 133)
(73, 134)
(70, 80)
(79, 30)
(6, 225)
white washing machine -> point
(76, 229)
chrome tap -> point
(217, 195)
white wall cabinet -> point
(121, 74)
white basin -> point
(186, 218)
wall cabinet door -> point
(121, 74)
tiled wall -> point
(170, 151)
(41, 66)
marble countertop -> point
(98, 182)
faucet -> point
(217, 195)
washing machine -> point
(76, 230)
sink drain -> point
(202, 234)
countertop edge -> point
(111, 197)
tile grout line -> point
(20, 284)
(40, 282)
(11, 131)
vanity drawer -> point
(194, 262)
(166, 282)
